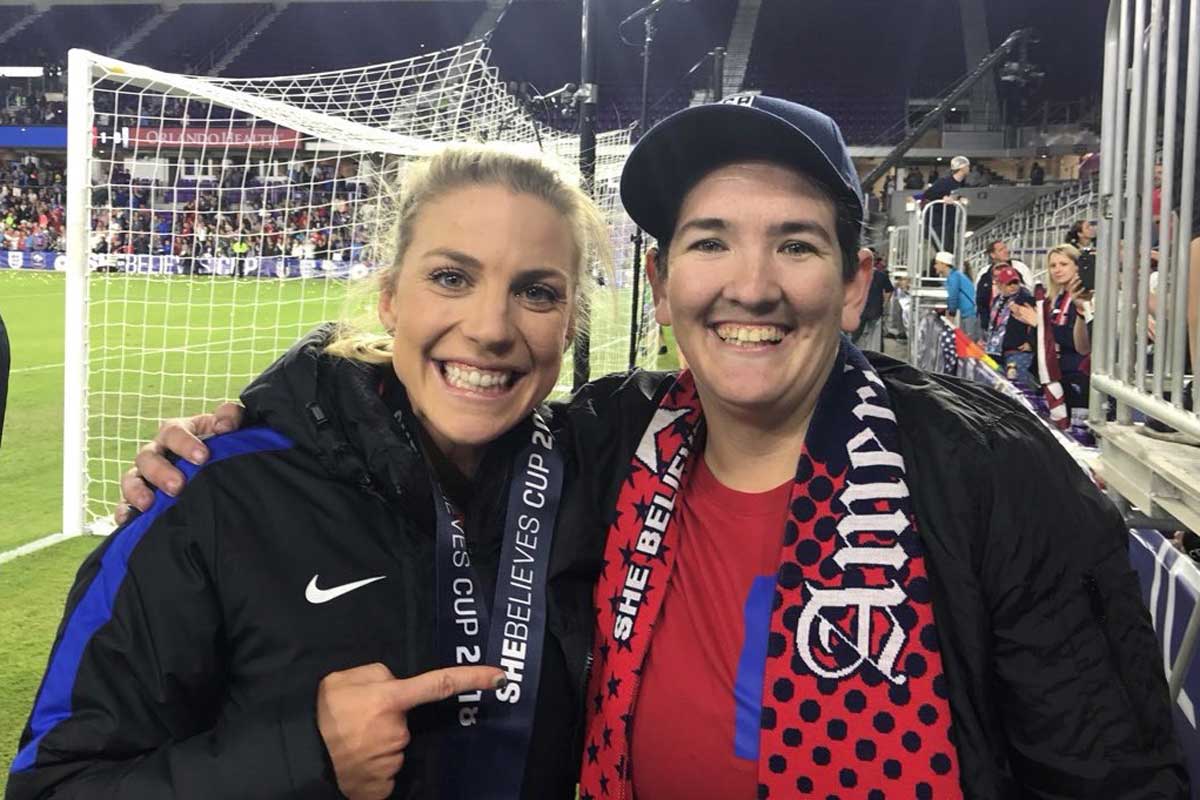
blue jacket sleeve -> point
(129, 705)
(952, 290)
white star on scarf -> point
(647, 451)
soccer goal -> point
(211, 222)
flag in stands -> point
(948, 350)
(965, 348)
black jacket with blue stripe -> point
(188, 659)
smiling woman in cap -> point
(818, 573)
(816, 581)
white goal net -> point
(211, 222)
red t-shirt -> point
(696, 722)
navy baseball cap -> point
(677, 152)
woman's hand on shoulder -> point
(362, 716)
(181, 437)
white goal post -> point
(213, 221)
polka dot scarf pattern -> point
(854, 698)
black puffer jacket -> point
(1055, 679)
(189, 657)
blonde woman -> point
(1070, 316)
(280, 628)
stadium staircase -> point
(242, 39)
(1035, 224)
(737, 51)
(143, 30)
(23, 23)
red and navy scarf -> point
(854, 699)
(1049, 371)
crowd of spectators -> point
(979, 175)
(115, 110)
(32, 110)
(312, 212)
(237, 213)
(25, 102)
(32, 194)
(999, 313)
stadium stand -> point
(936, 65)
(826, 73)
(190, 35)
(24, 105)
(216, 216)
(312, 37)
(31, 204)
(94, 27)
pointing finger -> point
(440, 684)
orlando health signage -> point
(243, 137)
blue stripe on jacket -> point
(53, 704)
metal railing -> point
(933, 227)
(1035, 226)
(1137, 113)
(1069, 112)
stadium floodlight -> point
(213, 221)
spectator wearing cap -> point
(960, 294)
(999, 255)
(943, 218)
(1011, 327)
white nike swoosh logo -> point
(316, 595)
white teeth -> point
(465, 377)
(749, 334)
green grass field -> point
(159, 348)
(31, 456)
(32, 591)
